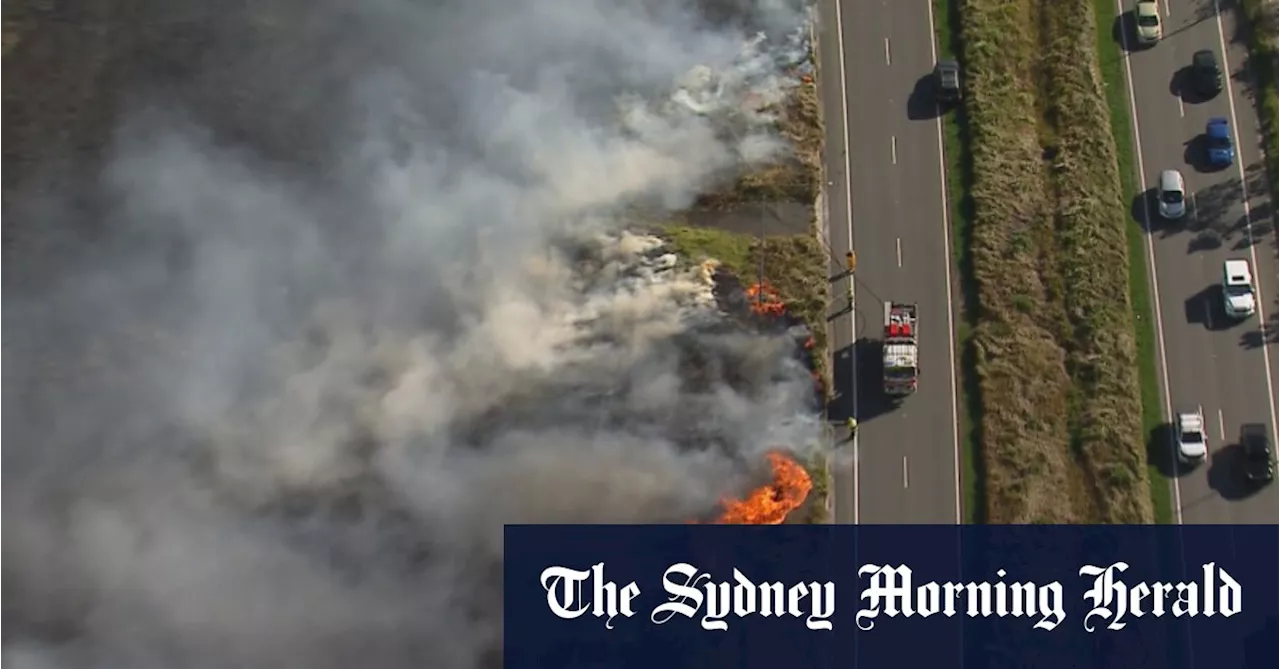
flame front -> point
(770, 504)
(765, 300)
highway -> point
(1205, 360)
(886, 201)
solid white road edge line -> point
(1155, 297)
(951, 327)
(848, 196)
(1151, 256)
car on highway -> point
(1259, 455)
(1206, 76)
(1238, 299)
(1221, 151)
(1193, 444)
(1146, 18)
(1172, 194)
(947, 75)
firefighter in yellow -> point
(853, 427)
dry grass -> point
(1055, 351)
(793, 177)
(1102, 351)
(1021, 370)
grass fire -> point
(770, 504)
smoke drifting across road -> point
(274, 409)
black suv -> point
(1206, 74)
(1259, 457)
(947, 74)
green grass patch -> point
(1113, 75)
(698, 244)
(959, 180)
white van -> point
(1237, 289)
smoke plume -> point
(352, 291)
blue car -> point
(1221, 151)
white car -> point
(1172, 194)
(1147, 17)
(1193, 444)
(1237, 289)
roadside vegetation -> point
(955, 135)
(793, 177)
(795, 265)
(1113, 76)
(1055, 350)
(1263, 28)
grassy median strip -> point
(1021, 370)
(1112, 68)
(1055, 350)
(959, 181)
(1102, 353)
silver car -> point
(1172, 194)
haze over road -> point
(1204, 360)
(886, 200)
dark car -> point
(1259, 456)
(947, 74)
(1206, 75)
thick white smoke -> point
(274, 383)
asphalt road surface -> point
(886, 200)
(1225, 367)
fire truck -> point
(901, 350)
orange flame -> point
(770, 504)
(765, 300)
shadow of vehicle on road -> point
(840, 406)
(1183, 85)
(872, 402)
(1161, 453)
(1146, 212)
(1123, 33)
(1226, 474)
(922, 104)
(1205, 308)
(1196, 155)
